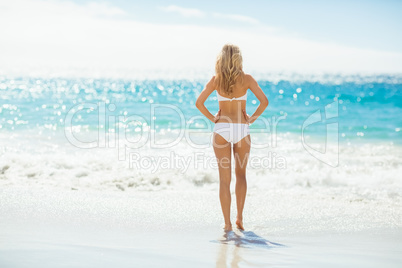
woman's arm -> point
(255, 88)
(209, 88)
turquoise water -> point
(37, 148)
(366, 110)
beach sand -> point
(50, 227)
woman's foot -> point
(239, 224)
(228, 227)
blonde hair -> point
(228, 68)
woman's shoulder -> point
(248, 77)
(250, 80)
(212, 82)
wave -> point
(368, 171)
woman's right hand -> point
(217, 116)
(247, 117)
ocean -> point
(336, 132)
(369, 108)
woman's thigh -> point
(241, 152)
(223, 152)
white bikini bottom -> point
(232, 132)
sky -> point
(123, 37)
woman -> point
(231, 125)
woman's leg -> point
(241, 152)
(223, 151)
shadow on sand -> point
(246, 239)
(232, 256)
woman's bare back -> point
(232, 111)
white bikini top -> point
(221, 98)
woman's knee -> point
(225, 180)
(240, 172)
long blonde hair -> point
(228, 68)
